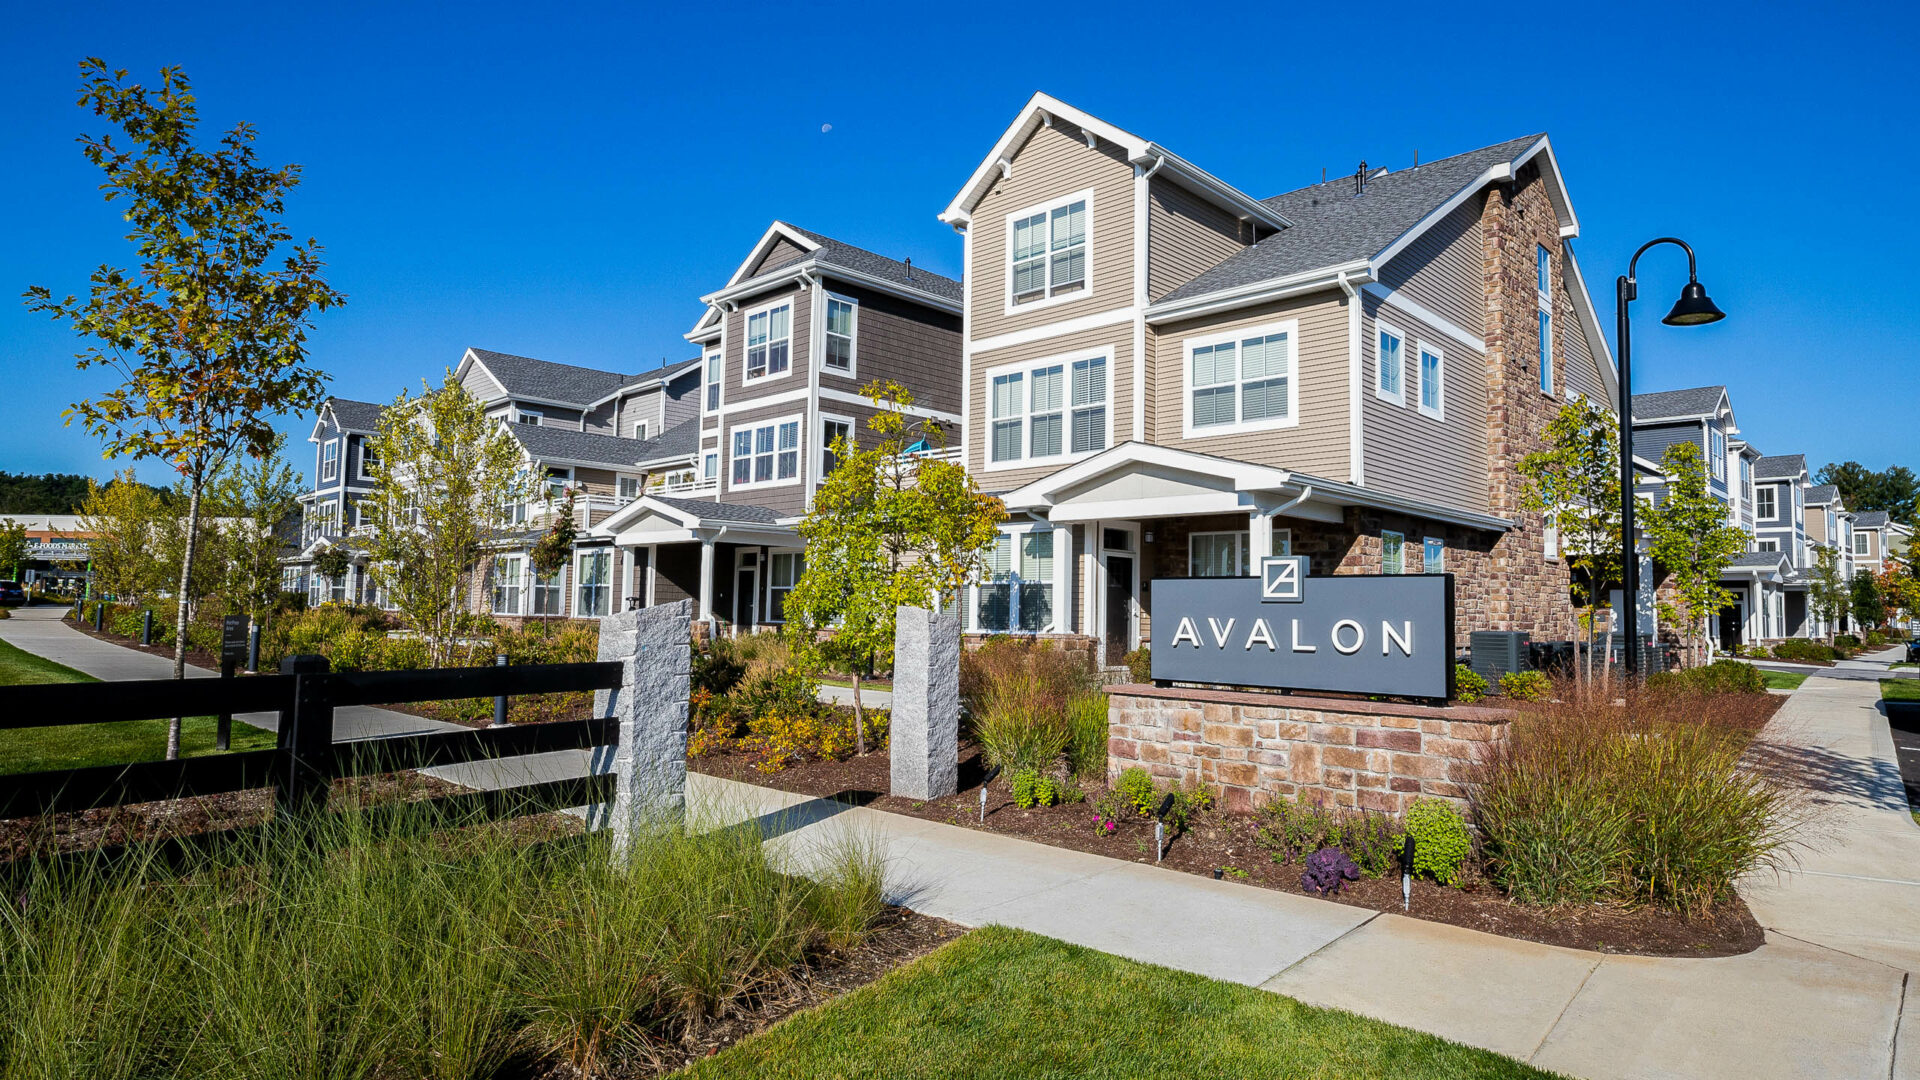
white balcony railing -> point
(686, 487)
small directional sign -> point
(233, 638)
(1283, 579)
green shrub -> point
(1803, 650)
(1034, 676)
(1441, 843)
(1469, 685)
(1719, 677)
(1654, 803)
(715, 668)
(1137, 788)
(1032, 788)
(1139, 665)
(1846, 641)
(1294, 830)
(1087, 751)
(1015, 737)
(1526, 685)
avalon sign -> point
(1379, 634)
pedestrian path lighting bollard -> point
(1406, 874)
(500, 700)
(991, 773)
(99, 616)
(146, 627)
(253, 649)
(1160, 826)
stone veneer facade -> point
(1248, 748)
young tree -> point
(1828, 596)
(209, 333)
(1691, 538)
(1869, 605)
(333, 563)
(887, 529)
(13, 548)
(123, 517)
(254, 500)
(1575, 485)
(1899, 591)
(444, 477)
(555, 546)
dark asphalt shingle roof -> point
(721, 511)
(1694, 401)
(1870, 519)
(1780, 467)
(664, 371)
(523, 376)
(356, 415)
(552, 442)
(836, 253)
(1757, 558)
(679, 441)
(1332, 226)
(1822, 494)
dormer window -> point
(1047, 250)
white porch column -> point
(653, 573)
(706, 579)
(1259, 538)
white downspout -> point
(1140, 238)
(1356, 444)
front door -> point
(746, 591)
(1117, 546)
(1730, 619)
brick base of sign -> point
(1248, 748)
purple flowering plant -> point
(1327, 870)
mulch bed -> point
(1227, 843)
(196, 657)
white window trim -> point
(1420, 353)
(620, 487)
(819, 462)
(746, 317)
(713, 374)
(579, 559)
(1026, 368)
(1062, 580)
(360, 464)
(767, 586)
(1766, 544)
(520, 590)
(1291, 328)
(726, 465)
(1772, 498)
(329, 460)
(1282, 541)
(1379, 364)
(851, 371)
(521, 415)
(1243, 544)
(1006, 266)
(710, 458)
(1384, 533)
(640, 430)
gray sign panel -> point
(233, 637)
(1390, 634)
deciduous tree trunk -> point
(180, 608)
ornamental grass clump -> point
(1665, 800)
(407, 944)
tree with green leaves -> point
(888, 529)
(123, 518)
(1828, 595)
(209, 333)
(444, 476)
(1869, 604)
(1692, 540)
(13, 548)
(254, 499)
(1574, 484)
(1894, 489)
(555, 546)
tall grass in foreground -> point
(1661, 801)
(384, 944)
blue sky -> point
(564, 184)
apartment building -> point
(786, 346)
(330, 508)
(1876, 537)
(1168, 377)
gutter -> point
(1257, 292)
(1356, 434)
(812, 266)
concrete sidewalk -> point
(41, 631)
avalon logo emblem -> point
(1283, 579)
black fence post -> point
(223, 725)
(146, 628)
(306, 735)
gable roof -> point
(1870, 519)
(526, 377)
(559, 444)
(1821, 494)
(678, 443)
(1693, 403)
(1780, 467)
(835, 258)
(1332, 226)
(362, 417)
(708, 510)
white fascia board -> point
(779, 230)
(1409, 306)
(1348, 495)
(1213, 502)
(617, 521)
(811, 269)
(1556, 184)
(1038, 110)
(1258, 292)
(1211, 188)
(1245, 477)
(1493, 175)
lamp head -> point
(1693, 308)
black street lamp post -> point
(1692, 309)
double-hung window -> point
(1389, 367)
(1241, 381)
(1217, 554)
(1047, 249)
(595, 578)
(369, 460)
(783, 573)
(1048, 410)
(714, 368)
(629, 487)
(329, 460)
(770, 341)
(832, 432)
(1393, 553)
(710, 466)
(507, 571)
(548, 596)
(1763, 502)
(766, 454)
(841, 315)
(1717, 453)
(1860, 543)
(1433, 382)
(1016, 590)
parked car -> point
(11, 593)
(1913, 651)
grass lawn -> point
(1002, 1002)
(1783, 680)
(1900, 689)
(74, 746)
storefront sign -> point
(1374, 634)
(57, 550)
